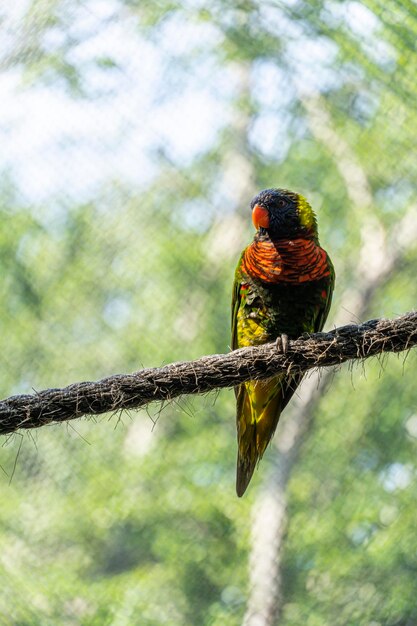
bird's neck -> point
(281, 238)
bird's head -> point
(283, 214)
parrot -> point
(282, 289)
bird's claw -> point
(282, 343)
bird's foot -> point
(282, 343)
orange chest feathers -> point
(290, 261)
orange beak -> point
(260, 217)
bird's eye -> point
(281, 202)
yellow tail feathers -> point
(258, 411)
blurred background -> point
(133, 136)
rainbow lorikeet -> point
(283, 288)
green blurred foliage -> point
(133, 519)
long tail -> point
(259, 406)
